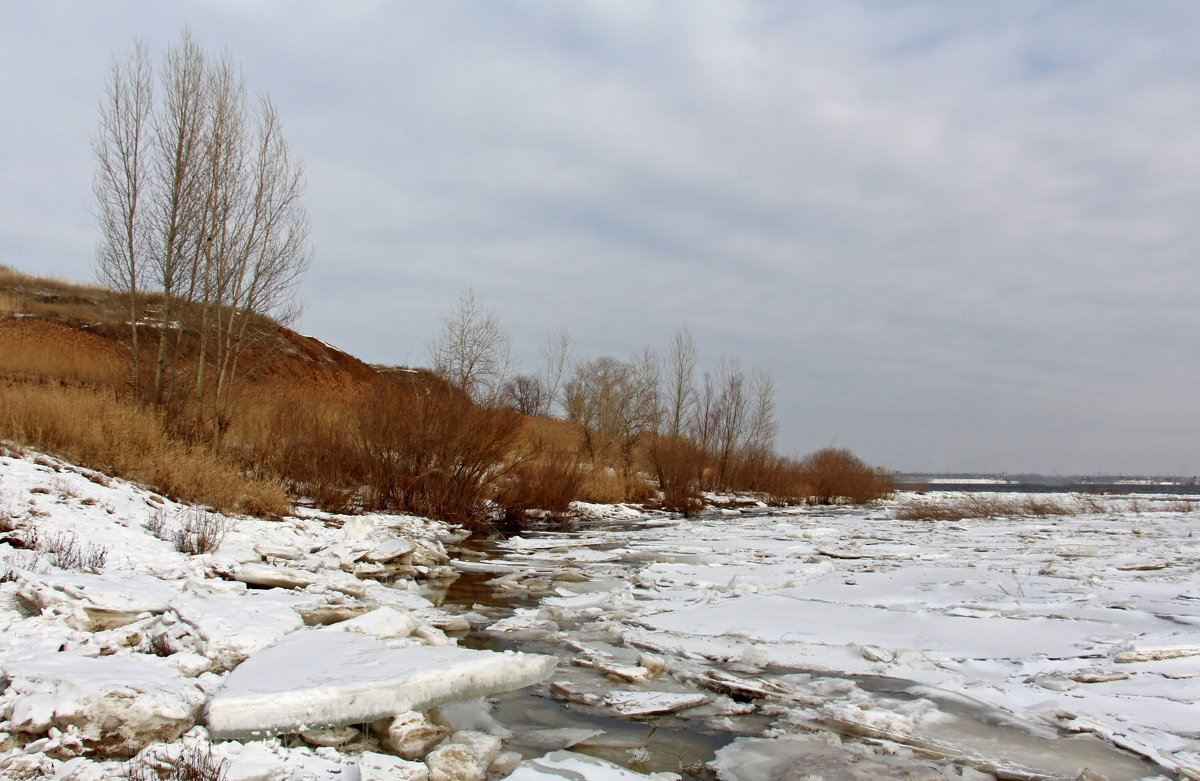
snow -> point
(1009, 633)
(843, 636)
(122, 655)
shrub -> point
(677, 464)
(548, 482)
(307, 439)
(188, 763)
(431, 451)
(200, 532)
(836, 474)
(67, 552)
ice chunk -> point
(102, 601)
(327, 679)
(568, 764)
(464, 757)
(381, 767)
(234, 627)
(275, 577)
(119, 704)
(382, 622)
(638, 703)
(751, 759)
(410, 735)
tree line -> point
(691, 430)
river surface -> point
(585, 596)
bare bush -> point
(191, 762)
(312, 447)
(835, 475)
(159, 644)
(545, 486)
(65, 551)
(1087, 503)
(200, 531)
(156, 524)
(677, 463)
(431, 451)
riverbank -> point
(726, 646)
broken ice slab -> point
(328, 679)
(116, 704)
(569, 765)
(635, 704)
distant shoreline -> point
(1106, 484)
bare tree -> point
(264, 255)
(179, 196)
(122, 182)
(761, 425)
(729, 415)
(472, 351)
(615, 402)
(556, 357)
(526, 394)
(680, 392)
(227, 236)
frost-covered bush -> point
(67, 552)
(200, 532)
(193, 762)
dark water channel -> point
(538, 717)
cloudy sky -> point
(962, 236)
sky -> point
(961, 236)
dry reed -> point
(96, 430)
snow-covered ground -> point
(842, 644)
(1014, 646)
(280, 654)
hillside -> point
(276, 417)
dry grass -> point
(96, 430)
(53, 299)
(45, 350)
(191, 762)
(984, 506)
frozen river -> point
(855, 645)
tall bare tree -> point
(761, 425)
(679, 397)
(226, 238)
(122, 183)
(556, 357)
(472, 350)
(730, 415)
(179, 196)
